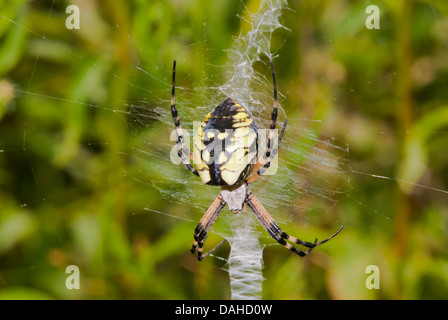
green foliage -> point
(85, 175)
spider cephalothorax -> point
(226, 154)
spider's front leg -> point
(204, 225)
(275, 232)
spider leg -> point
(275, 232)
(213, 250)
(273, 116)
(274, 112)
(181, 147)
(204, 225)
(265, 161)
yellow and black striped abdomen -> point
(226, 145)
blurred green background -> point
(85, 176)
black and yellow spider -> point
(225, 152)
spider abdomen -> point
(226, 145)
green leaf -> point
(14, 229)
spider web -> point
(287, 194)
(312, 171)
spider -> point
(225, 153)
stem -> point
(404, 119)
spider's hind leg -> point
(181, 147)
(265, 161)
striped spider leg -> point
(274, 230)
(181, 147)
(265, 161)
(204, 225)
